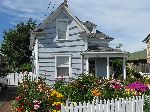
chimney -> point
(65, 3)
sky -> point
(127, 21)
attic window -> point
(61, 29)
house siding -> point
(148, 51)
(48, 47)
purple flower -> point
(138, 86)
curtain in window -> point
(62, 66)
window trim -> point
(63, 55)
(67, 34)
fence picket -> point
(88, 107)
(108, 106)
(80, 107)
(71, 107)
(15, 78)
(121, 105)
(62, 108)
(116, 105)
(75, 107)
(112, 105)
(12, 79)
(97, 106)
(100, 106)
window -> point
(62, 66)
(61, 29)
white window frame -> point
(63, 55)
(57, 26)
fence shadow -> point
(8, 93)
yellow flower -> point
(55, 111)
(57, 94)
(56, 103)
(96, 92)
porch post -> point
(124, 68)
(87, 65)
(36, 58)
(108, 68)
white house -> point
(64, 45)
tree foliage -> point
(15, 47)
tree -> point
(15, 47)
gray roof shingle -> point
(102, 49)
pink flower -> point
(60, 78)
(36, 104)
(36, 107)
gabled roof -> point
(83, 25)
(88, 24)
(146, 39)
(55, 13)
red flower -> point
(58, 107)
(19, 109)
(18, 98)
(22, 104)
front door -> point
(92, 66)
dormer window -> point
(61, 29)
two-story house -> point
(65, 46)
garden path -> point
(6, 96)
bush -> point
(137, 89)
(36, 96)
(78, 90)
(147, 104)
(112, 89)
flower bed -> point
(36, 96)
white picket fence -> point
(16, 78)
(121, 105)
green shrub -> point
(147, 104)
(36, 96)
(78, 90)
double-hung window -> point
(61, 29)
(63, 66)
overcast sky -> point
(128, 21)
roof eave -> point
(146, 39)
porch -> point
(100, 63)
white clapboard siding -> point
(121, 105)
(16, 78)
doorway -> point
(92, 66)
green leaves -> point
(15, 47)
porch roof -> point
(102, 49)
(104, 52)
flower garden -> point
(36, 96)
